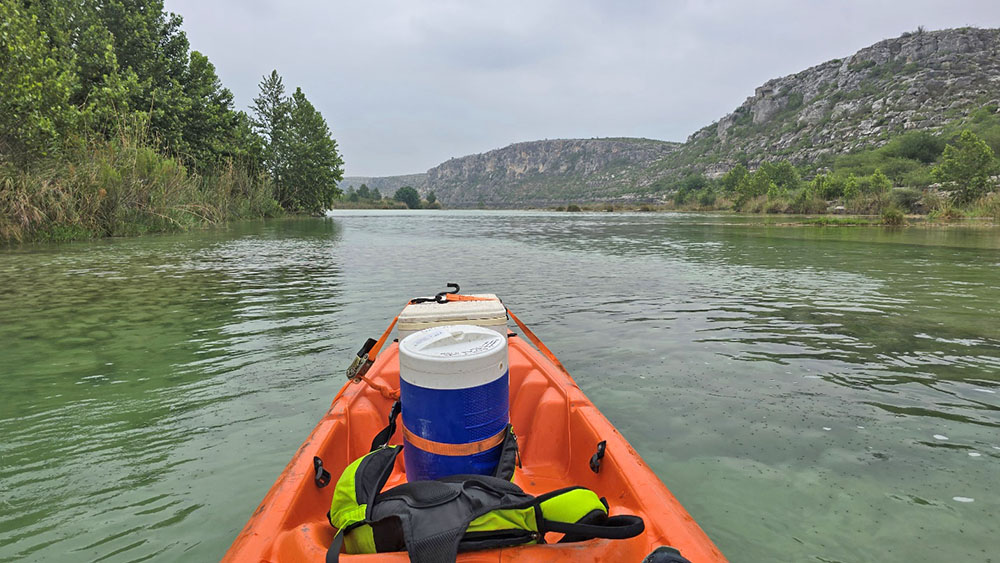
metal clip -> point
(359, 367)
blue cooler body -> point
(454, 391)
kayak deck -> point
(558, 430)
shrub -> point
(573, 208)
(947, 213)
(919, 178)
(867, 204)
(907, 199)
(893, 216)
(807, 202)
(916, 145)
(934, 201)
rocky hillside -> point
(545, 172)
(918, 81)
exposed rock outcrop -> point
(917, 81)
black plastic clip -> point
(322, 477)
(595, 461)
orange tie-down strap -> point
(443, 448)
(385, 335)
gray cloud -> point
(406, 85)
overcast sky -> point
(406, 85)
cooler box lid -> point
(421, 315)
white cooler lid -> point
(433, 356)
(455, 312)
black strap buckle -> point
(440, 297)
(382, 438)
(322, 476)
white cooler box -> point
(489, 314)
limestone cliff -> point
(921, 80)
(544, 172)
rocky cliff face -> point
(918, 81)
(544, 172)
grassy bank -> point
(380, 204)
(122, 188)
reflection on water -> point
(808, 393)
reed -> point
(122, 187)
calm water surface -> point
(809, 394)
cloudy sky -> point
(406, 85)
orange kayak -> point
(558, 430)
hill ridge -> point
(922, 80)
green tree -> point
(967, 166)
(313, 168)
(376, 195)
(730, 180)
(34, 87)
(271, 110)
(783, 174)
(431, 198)
(852, 188)
(879, 183)
(363, 192)
(149, 43)
(409, 196)
(208, 120)
(244, 146)
(754, 185)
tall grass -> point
(122, 187)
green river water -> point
(808, 393)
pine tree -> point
(313, 165)
(270, 121)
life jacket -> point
(434, 520)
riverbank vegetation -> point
(405, 197)
(111, 125)
(944, 175)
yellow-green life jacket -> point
(434, 520)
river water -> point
(808, 393)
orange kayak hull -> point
(557, 428)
